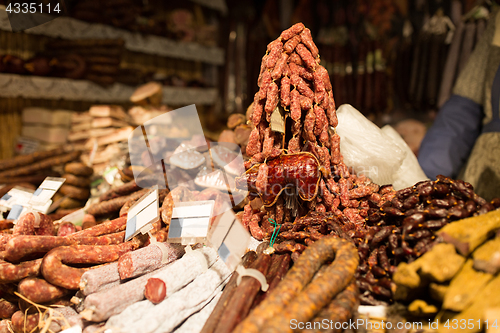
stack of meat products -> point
(39, 267)
(292, 77)
(76, 188)
(387, 226)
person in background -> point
(464, 141)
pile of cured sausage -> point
(57, 275)
(42, 264)
(299, 176)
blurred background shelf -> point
(70, 28)
(36, 87)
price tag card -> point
(46, 191)
(142, 214)
(15, 212)
(190, 222)
(230, 238)
(16, 196)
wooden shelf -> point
(38, 87)
(70, 28)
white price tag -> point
(230, 239)
(16, 212)
(142, 214)
(46, 191)
(16, 196)
(190, 222)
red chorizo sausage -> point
(39, 290)
(295, 109)
(55, 270)
(306, 56)
(27, 225)
(278, 70)
(291, 44)
(306, 39)
(272, 98)
(275, 48)
(292, 31)
(301, 86)
(301, 71)
(285, 91)
(16, 272)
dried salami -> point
(306, 56)
(301, 86)
(292, 31)
(40, 291)
(295, 109)
(148, 259)
(306, 39)
(309, 126)
(285, 91)
(54, 265)
(272, 98)
(278, 70)
(290, 45)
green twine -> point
(275, 233)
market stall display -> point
(329, 237)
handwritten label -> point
(142, 214)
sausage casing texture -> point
(301, 86)
(26, 225)
(40, 291)
(272, 97)
(276, 47)
(306, 56)
(321, 121)
(7, 309)
(113, 205)
(301, 71)
(309, 122)
(292, 31)
(285, 91)
(55, 270)
(119, 191)
(78, 169)
(292, 297)
(295, 109)
(279, 69)
(291, 44)
(16, 272)
(307, 40)
(147, 259)
(254, 144)
(76, 180)
(341, 309)
(104, 228)
(258, 108)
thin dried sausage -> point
(292, 31)
(55, 270)
(40, 291)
